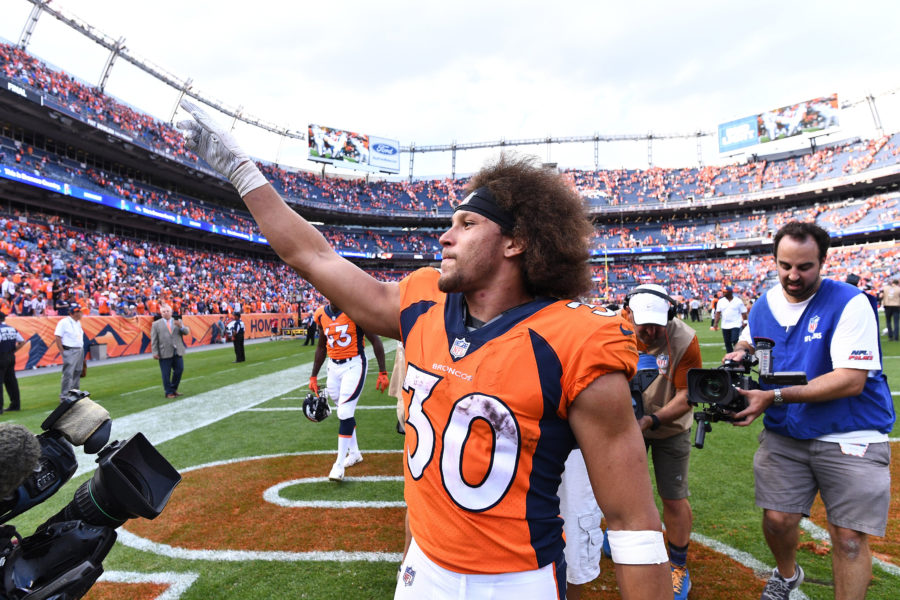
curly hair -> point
(551, 220)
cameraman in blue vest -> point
(829, 436)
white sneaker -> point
(354, 458)
(337, 472)
(778, 588)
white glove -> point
(219, 148)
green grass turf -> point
(721, 473)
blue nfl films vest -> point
(806, 347)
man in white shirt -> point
(695, 310)
(38, 305)
(891, 299)
(732, 313)
(829, 436)
(69, 338)
(7, 288)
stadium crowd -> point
(656, 185)
(89, 102)
(118, 275)
(45, 266)
(610, 187)
(834, 216)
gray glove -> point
(219, 148)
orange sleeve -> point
(690, 360)
(610, 347)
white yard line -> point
(173, 419)
(178, 582)
(821, 534)
(743, 558)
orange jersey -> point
(488, 434)
(343, 339)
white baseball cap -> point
(649, 309)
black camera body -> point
(716, 389)
(638, 384)
(62, 559)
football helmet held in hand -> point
(316, 407)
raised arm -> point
(372, 304)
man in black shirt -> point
(10, 341)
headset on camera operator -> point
(669, 347)
(829, 436)
(666, 423)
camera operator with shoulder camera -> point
(63, 558)
(666, 423)
(830, 436)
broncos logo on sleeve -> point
(487, 433)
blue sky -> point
(434, 73)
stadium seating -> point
(131, 271)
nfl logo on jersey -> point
(813, 323)
(459, 348)
(409, 576)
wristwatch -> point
(779, 399)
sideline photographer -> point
(829, 436)
(667, 419)
(664, 417)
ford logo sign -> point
(384, 149)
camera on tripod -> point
(716, 389)
(62, 559)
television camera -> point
(62, 559)
(715, 389)
(647, 372)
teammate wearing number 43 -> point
(342, 341)
(504, 375)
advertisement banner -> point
(384, 154)
(126, 336)
(818, 114)
(738, 134)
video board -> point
(788, 121)
(352, 150)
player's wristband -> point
(247, 178)
(655, 423)
(637, 547)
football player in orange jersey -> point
(505, 374)
(342, 341)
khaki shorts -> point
(856, 490)
(671, 459)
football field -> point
(256, 517)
